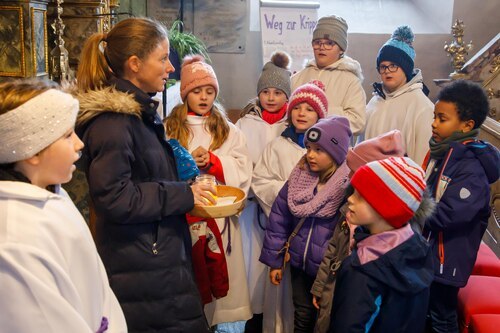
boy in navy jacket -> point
(459, 171)
(383, 286)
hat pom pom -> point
(189, 59)
(318, 84)
(281, 59)
(404, 34)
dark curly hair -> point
(469, 98)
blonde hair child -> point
(218, 148)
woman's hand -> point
(201, 156)
(275, 275)
(316, 302)
(201, 194)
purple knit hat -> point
(333, 135)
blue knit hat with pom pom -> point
(399, 50)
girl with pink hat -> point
(219, 148)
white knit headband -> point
(34, 125)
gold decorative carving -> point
(12, 52)
(457, 49)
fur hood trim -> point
(109, 99)
(345, 63)
(426, 209)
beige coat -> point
(343, 88)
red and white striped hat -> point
(393, 187)
(312, 93)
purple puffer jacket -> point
(307, 248)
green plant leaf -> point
(186, 43)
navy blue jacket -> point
(460, 184)
(141, 230)
(388, 294)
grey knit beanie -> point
(334, 28)
(275, 74)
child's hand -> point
(316, 302)
(275, 274)
(201, 156)
(201, 193)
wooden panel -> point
(12, 50)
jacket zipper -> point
(307, 246)
(155, 238)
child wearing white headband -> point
(51, 275)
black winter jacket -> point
(141, 231)
(388, 294)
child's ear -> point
(34, 160)
(468, 125)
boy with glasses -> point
(340, 74)
(400, 101)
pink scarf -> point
(304, 202)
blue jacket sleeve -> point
(279, 228)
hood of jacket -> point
(345, 63)
(17, 190)
(487, 154)
(417, 82)
(253, 107)
(407, 268)
(109, 99)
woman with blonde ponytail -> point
(139, 203)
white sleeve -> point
(353, 107)
(235, 160)
(267, 179)
(422, 134)
(37, 294)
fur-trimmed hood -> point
(345, 63)
(109, 99)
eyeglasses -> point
(327, 44)
(391, 68)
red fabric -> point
(381, 197)
(481, 295)
(191, 113)
(273, 117)
(485, 323)
(215, 168)
(209, 261)
(487, 262)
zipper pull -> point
(441, 269)
(155, 251)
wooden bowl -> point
(224, 210)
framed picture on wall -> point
(39, 39)
(12, 57)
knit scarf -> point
(304, 201)
(439, 149)
(273, 117)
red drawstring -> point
(441, 252)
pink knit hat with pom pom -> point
(195, 72)
(386, 145)
(312, 93)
